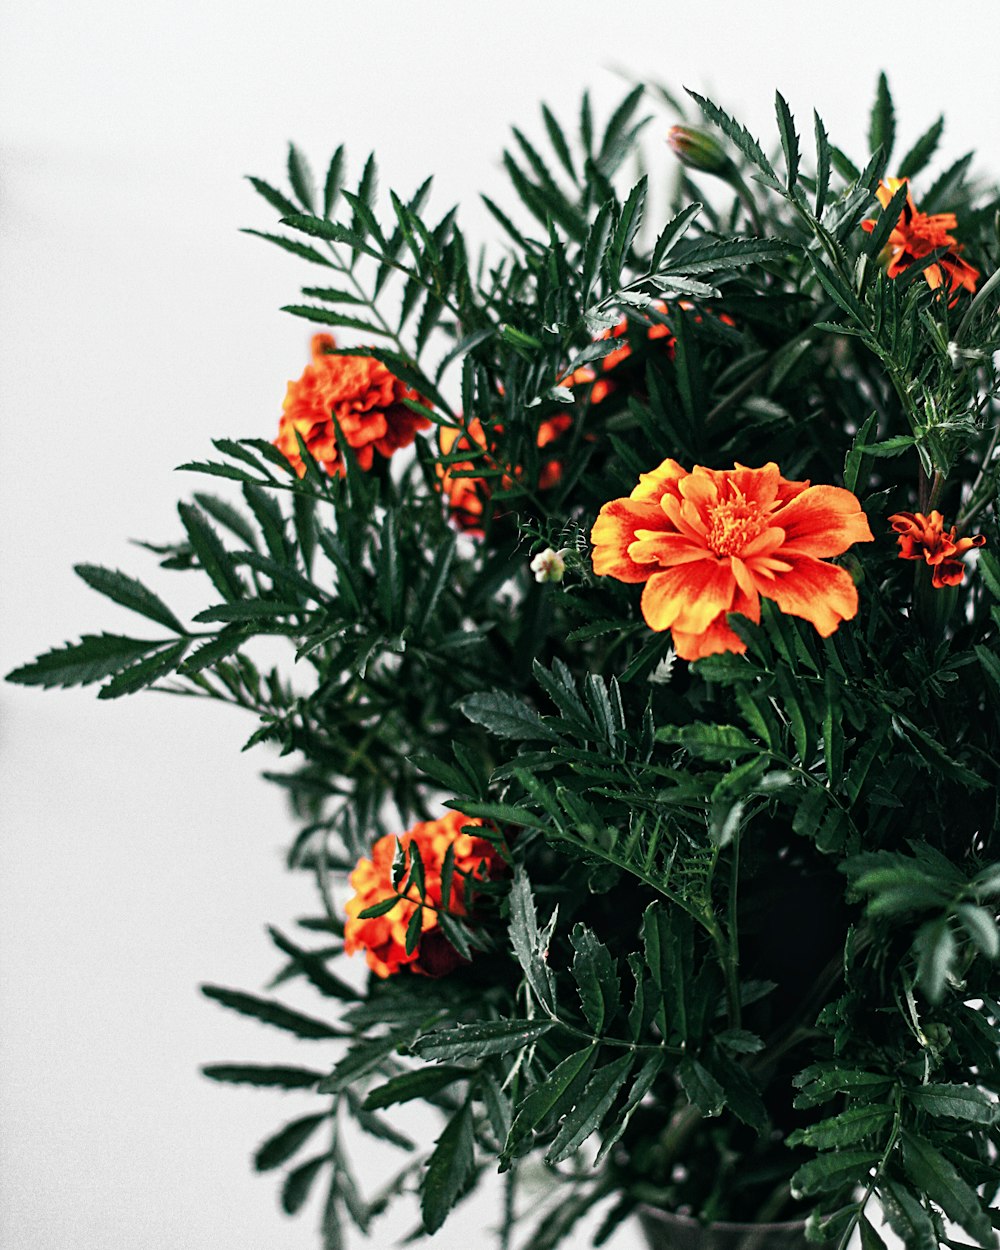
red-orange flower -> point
(714, 541)
(383, 938)
(925, 537)
(467, 494)
(915, 235)
(366, 400)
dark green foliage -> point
(744, 948)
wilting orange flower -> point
(383, 938)
(466, 494)
(924, 537)
(915, 235)
(365, 398)
(713, 541)
(601, 386)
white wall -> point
(141, 854)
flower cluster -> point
(925, 538)
(383, 937)
(916, 235)
(359, 395)
(714, 541)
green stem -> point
(988, 287)
(736, 181)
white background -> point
(141, 853)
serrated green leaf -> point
(506, 717)
(329, 317)
(937, 952)
(596, 978)
(94, 657)
(832, 1172)
(215, 560)
(314, 969)
(789, 139)
(265, 1076)
(130, 593)
(591, 1108)
(882, 125)
(143, 674)
(846, 1129)
(918, 157)
(546, 1098)
(938, 1178)
(448, 1169)
(334, 180)
(420, 1084)
(742, 138)
(293, 245)
(300, 176)
(270, 1012)
(702, 1089)
(477, 1041)
(287, 1142)
(957, 1102)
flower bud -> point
(698, 150)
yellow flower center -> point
(734, 524)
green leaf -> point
(710, 742)
(596, 978)
(626, 228)
(981, 927)
(270, 1012)
(822, 164)
(937, 1177)
(334, 180)
(285, 1143)
(143, 674)
(293, 245)
(743, 139)
(886, 221)
(420, 1084)
(546, 1098)
(588, 1113)
(672, 233)
(265, 1076)
(845, 1129)
(558, 140)
(918, 157)
(700, 1086)
(789, 139)
(506, 717)
(937, 952)
(314, 968)
(882, 126)
(727, 254)
(907, 1217)
(214, 558)
(957, 1102)
(528, 942)
(300, 176)
(94, 657)
(273, 196)
(330, 317)
(834, 1171)
(448, 1169)
(477, 1041)
(297, 1185)
(367, 1054)
(870, 1238)
(129, 593)
(643, 1083)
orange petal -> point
(718, 636)
(613, 533)
(689, 596)
(823, 521)
(653, 484)
(820, 593)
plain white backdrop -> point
(141, 852)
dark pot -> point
(665, 1231)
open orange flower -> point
(915, 235)
(714, 541)
(925, 538)
(383, 938)
(467, 494)
(365, 398)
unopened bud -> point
(699, 150)
(549, 565)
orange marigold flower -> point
(383, 938)
(915, 235)
(366, 400)
(925, 537)
(713, 541)
(466, 493)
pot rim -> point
(659, 1215)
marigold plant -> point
(641, 718)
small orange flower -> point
(915, 235)
(714, 541)
(467, 494)
(925, 537)
(383, 938)
(365, 398)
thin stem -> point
(736, 181)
